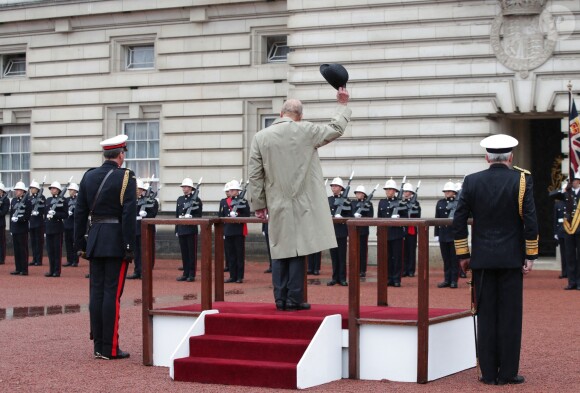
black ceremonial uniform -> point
(36, 226)
(4, 209)
(560, 234)
(572, 240)
(109, 247)
(504, 234)
(338, 254)
(410, 241)
(395, 236)
(19, 231)
(367, 210)
(72, 259)
(54, 230)
(314, 262)
(446, 245)
(234, 237)
(187, 234)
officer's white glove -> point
(337, 216)
(14, 219)
(556, 237)
(143, 213)
(395, 216)
(436, 238)
(34, 213)
(139, 218)
(357, 215)
(70, 213)
(233, 214)
(187, 216)
(50, 213)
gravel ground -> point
(52, 353)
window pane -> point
(154, 130)
(130, 130)
(25, 144)
(153, 150)
(141, 132)
(16, 161)
(155, 168)
(142, 169)
(15, 144)
(26, 161)
(141, 151)
(6, 162)
(5, 144)
(130, 150)
(140, 56)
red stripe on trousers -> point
(124, 265)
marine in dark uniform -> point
(222, 212)
(57, 211)
(36, 223)
(188, 206)
(390, 207)
(234, 234)
(366, 210)
(445, 236)
(4, 210)
(338, 254)
(410, 241)
(560, 235)
(572, 233)
(72, 259)
(111, 241)
(504, 245)
(20, 209)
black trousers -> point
(235, 250)
(54, 251)
(573, 258)
(410, 254)
(563, 256)
(2, 245)
(37, 244)
(450, 262)
(288, 279)
(71, 255)
(338, 256)
(137, 261)
(268, 248)
(395, 249)
(499, 321)
(106, 288)
(20, 243)
(364, 252)
(314, 261)
(188, 246)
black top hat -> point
(335, 74)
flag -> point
(574, 137)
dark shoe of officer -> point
(405, 275)
(397, 285)
(87, 276)
(134, 276)
(180, 268)
(411, 274)
(316, 273)
(181, 278)
(67, 264)
(570, 287)
(453, 284)
(512, 381)
(562, 276)
(268, 270)
(280, 305)
(75, 264)
(240, 281)
(487, 381)
(363, 274)
(56, 274)
(227, 269)
(32, 264)
(331, 283)
(120, 355)
(48, 274)
(24, 273)
(15, 273)
(190, 279)
(229, 280)
(343, 284)
(462, 275)
(309, 272)
(443, 284)
(297, 306)
(390, 283)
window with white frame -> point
(277, 49)
(267, 120)
(142, 147)
(14, 154)
(139, 57)
(13, 65)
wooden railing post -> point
(147, 289)
(206, 300)
(423, 306)
(353, 302)
(219, 261)
(382, 266)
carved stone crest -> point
(524, 36)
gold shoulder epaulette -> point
(517, 168)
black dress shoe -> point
(487, 381)
(134, 276)
(405, 275)
(56, 274)
(181, 278)
(411, 274)
(268, 270)
(309, 272)
(462, 275)
(87, 276)
(120, 355)
(297, 306)
(180, 268)
(343, 284)
(48, 274)
(512, 381)
(15, 273)
(453, 284)
(24, 273)
(443, 284)
(390, 283)
(240, 281)
(331, 283)
(316, 273)
(363, 274)
(562, 276)
(570, 287)
(190, 279)
(67, 264)
(397, 284)
(229, 280)
(75, 264)
(280, 305)
(227, 269)
(32, 264)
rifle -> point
(363, 207)
(57, 200)
(452, 206)
(37, 202)
(341, 200)
(192, 205)
(395, 213)
(411, 205)
(19, 208)
(238, 203)
(149, 200)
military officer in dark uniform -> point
(572, 230)
(223, 205)
(188, 206)
(444, 235)
(36, 223)
(57, 211)
(107, 200)
(314, 262)
(391, 207)
(505, 245)
(366, 210)
(560, 233)
(234, 234)
(72, 259)
(4, 210)
(338, 254)
(20, 209)
(413, 210)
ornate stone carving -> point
(524, 36)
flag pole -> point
(570, 171)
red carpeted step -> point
(236, 372)
(251, 348)
(282, 326)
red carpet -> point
(248, 349)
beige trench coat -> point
(286, 177)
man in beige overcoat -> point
(286, 185)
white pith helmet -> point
(55, 184)
(20, 186)
(146, 186)
(361, 189)
(187, 182)
(408, 187)
(2, 187)
(227, 187)
(458, 186)
(337, 181)
(391, 184)
(234, 185)
(73, 186)
(34, 184)
(449, 186)
(140, 184)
